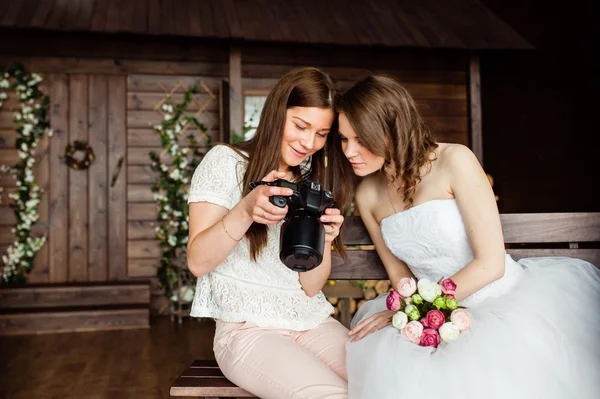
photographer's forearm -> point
(313, 281)
(210, 248)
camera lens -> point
(302, 241)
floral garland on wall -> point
(32, 122)
(171, 194)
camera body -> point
(302, 238)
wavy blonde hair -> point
(386, 119)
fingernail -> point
(323, 218)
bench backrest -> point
(526, 235)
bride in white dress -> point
(431, 213)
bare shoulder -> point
(453, 156)
(367, 192)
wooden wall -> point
(100, 222)
(437, 81)
(143, 93)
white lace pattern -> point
(432, 240)
(265, 292)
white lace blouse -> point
(265, 293)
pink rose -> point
(448, 286)
(448, 296)
(412, 332)
(392, 302)
(424, 322)
(435, 319)
(461, 319)
(430, 337)
(407, 286)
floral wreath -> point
(32, 123)
(72, 161)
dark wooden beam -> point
(475, 108)
(235, 90)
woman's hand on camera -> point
(332, 221)
(258, 206)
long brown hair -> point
(301, 87)
(386, 119)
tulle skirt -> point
(539, 340)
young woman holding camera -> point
(275, 336)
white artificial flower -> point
(427, 289)
(172, 240)
(449, 331)
(399, 320)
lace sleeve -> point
(216, 177)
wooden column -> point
(235, 91)
(476, 136)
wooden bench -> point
(74, 307)
(575, 235)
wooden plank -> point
(353, 74)
(9, 156)
(139, 193)
(141, 230)
(99, 15)
(143, 267)
(41, 14)
(202, 372)
(475, 130)
(112, 16)
(140, 21)
(448, 123)
(235, 91)
(142, 211)
(148, 119)
(149, 138)
(73, 321)
(8, 138)
(588, 254)
(78, 181)
(154, 13)
(551, 227)
(160, 83)
(147, 101)
(7, 237)
(362, 264)
(5, 200)
(517, 228)
(40, 271)
(98, 177)
(84, 17)
(143, 249)
(140, 174)
(224, 118)
(74, 295)
(7, 217)
(140, 155)
(117, 168)
(59, 8)
(6, 119)
(207, 387)
(119, 66)
(58, 235)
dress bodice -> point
(432, 240)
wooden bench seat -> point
(204, 379)
(575, 235)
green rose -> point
(417, 299)
(440, 302)
(412, 312)
(451, 303)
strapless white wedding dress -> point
(535, 331)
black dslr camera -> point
(302, 235)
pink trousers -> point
(277, 363)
